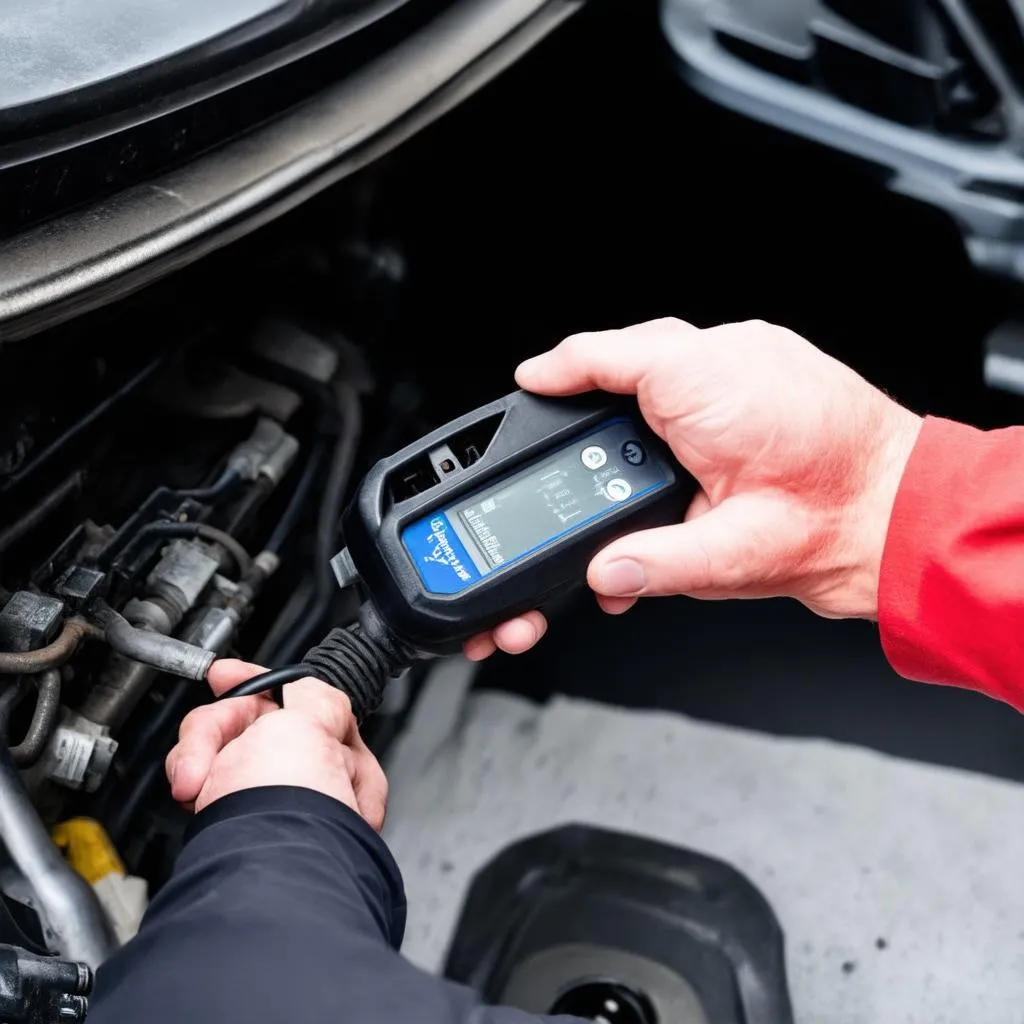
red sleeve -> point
(951, 590)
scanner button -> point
(593, 456)
(618, 489)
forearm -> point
(284, 906)
(951, 593)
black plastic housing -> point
(530, 427)
(578, 904)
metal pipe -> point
(44, 720)
(113, 697)
(30, 663)
(154, 649)
(67, 903)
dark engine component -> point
(930, 92)
(147, 512)
(41, 990)
(621, 930)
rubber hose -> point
(44, 721)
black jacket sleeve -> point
(285, 907)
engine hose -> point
(350, 660)
(157, 650)
(224, 484)
(44, 721)
(44, 658)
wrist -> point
(896, 434)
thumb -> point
(716, 554)
(615, 361)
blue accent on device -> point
(440, 556)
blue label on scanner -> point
(440, 557)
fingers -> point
(615, 361)
(330, 707)
(227, 672)
(700, 505)
(315, 744)
(203, 735)
(479, 647)
(615, 605)
(513, 637)
(716, 551)
(207, 730)
(518, 635)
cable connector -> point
(356, 664)
(359, 660)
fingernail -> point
(621, 578)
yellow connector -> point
(88, 849)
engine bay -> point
(148, 539)
(173, 465)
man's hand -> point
(798, 458)
(247, 742)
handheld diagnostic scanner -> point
(496, 513)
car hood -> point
(66, 62)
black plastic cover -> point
(529, 427)
(688, 935)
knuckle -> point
(576, 346)
(743, 329)
(340, 702)
(763, 331)
(667, 323)
(191, 722)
